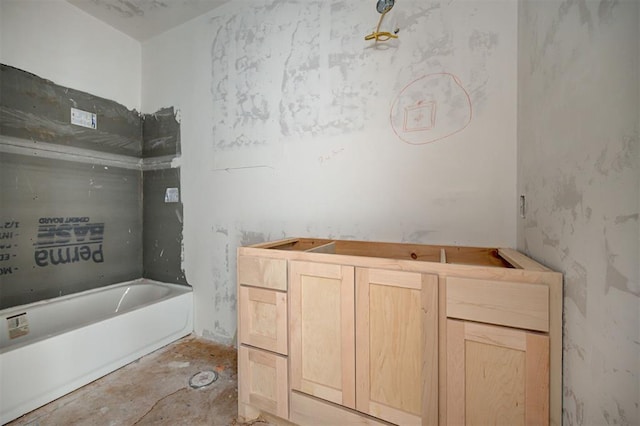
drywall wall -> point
(61, 43)
(293, 125)
(579, 168)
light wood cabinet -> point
(351, 332)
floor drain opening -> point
(202, 379)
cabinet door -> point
(397, 346)
(496, 375)
(322, 335)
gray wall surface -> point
(71, 203)
(66, 227)
(162, 217)
(36, 109)
(161, 134)
(162, 227)
(579, 169)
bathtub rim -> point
(176, 290)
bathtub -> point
(64, 343)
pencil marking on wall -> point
(330, 156)
(431, 108)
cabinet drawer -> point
(519, 305)
(262, 272)
(263, 318)
(263, 381)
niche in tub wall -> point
(71, 203)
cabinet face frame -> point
(374, 286)
(337, 341)
(533, 347)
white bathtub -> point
(75, 339)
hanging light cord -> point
(380, 36)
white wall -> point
(579, 167)
(59, 42)
(286, 129)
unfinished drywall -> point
(579, 169)
(61, 43)
(292, 124)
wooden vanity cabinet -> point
(381, 333)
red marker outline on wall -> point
(404, 89)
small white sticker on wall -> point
(84, 118)
(18, 325)
(172, 195)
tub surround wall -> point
(49, 253)
(161, 134)
(579, 168)
(71, 207)
(71, 202)
(162, 245)
(162, 202)
(33, 108)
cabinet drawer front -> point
(262, 272)
(263, 319)
(263, 381)
(513, 304)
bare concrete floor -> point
(153, 390)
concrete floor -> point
(153, 390)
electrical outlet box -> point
(84, 118)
